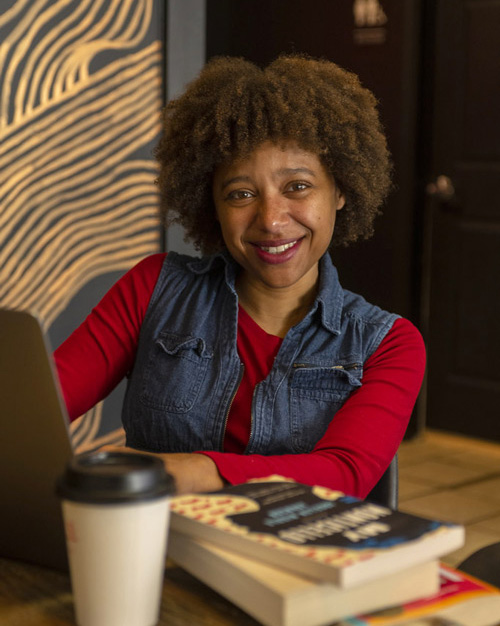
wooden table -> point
(35, 596)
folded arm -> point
(358, 445)
(365, 433)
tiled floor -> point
(456, 479)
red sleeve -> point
(100, 352)
(365, 434)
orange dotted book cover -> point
(313, 530)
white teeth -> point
(279, 249)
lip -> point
(279, 257)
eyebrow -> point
(295, 170)
(286, 171)
(235, 179)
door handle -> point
(442, 189)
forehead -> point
(273, 157)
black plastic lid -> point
(114, 477)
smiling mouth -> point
(278, 249)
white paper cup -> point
(116, 516)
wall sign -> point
(370, 22)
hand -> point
(192, 472)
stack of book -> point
(295, 555)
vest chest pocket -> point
(316, 394)
(175, 371)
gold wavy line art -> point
(97, 111)
(76, 200)
(83, 433)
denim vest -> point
(187, 369)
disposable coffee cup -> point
(116, 517)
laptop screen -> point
(34, 443)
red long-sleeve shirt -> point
(358, 444)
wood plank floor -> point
(456, 479)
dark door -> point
(463, 209)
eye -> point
(298, 186)
(239, 195)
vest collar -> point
(330, 295)
(330, 298)
(203, 265)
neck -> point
(274, 310)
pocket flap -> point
(181, 345)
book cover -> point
(462, 600)
(314, 531)
(277, 597)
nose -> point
(272, 213)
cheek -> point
(326, 217)
(235, 220)
(222, 217)
(324, 226)
(230, 228)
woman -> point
(252, 360)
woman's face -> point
(277, 212)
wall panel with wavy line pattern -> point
(80, 99)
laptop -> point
(34, 444)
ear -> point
(340, 199)
(338, 195)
